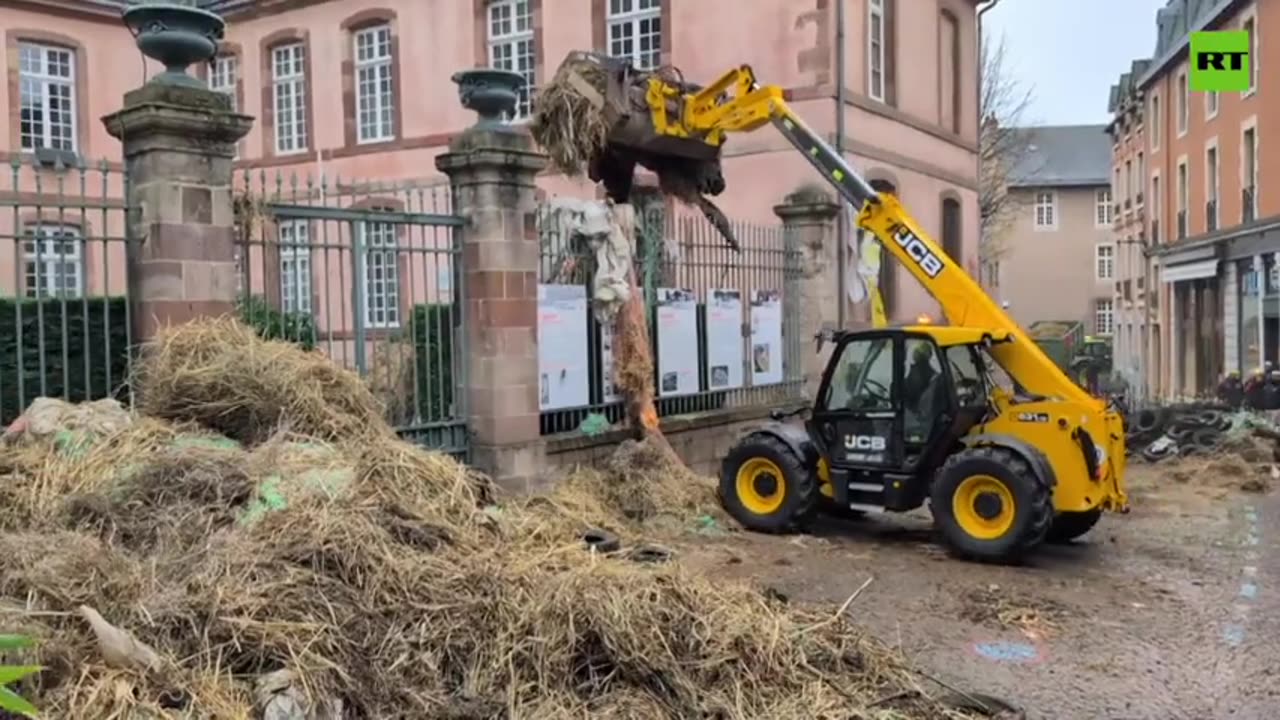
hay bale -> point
(217, 372)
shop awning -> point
(1189, 271)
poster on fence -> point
(677, 342)
(562, 347)
(608, 391)
(724, 339)
(766, 337)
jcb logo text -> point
(918, 252)
(864, 442)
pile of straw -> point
(218, 373)
(360, 576)
(568, 124)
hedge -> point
(433, 328)
(272, 324)
(96, 332)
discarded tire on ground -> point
(1189, 429)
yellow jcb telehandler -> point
(971, 417)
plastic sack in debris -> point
(72, 426)
(604, 228)
(298, 470)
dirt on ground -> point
(1164, 613)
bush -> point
(273, 324)
(77, 350)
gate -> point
(370, 275)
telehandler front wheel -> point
(989, 504)
(765, 485)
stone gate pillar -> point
(808, 216)
(491, 168)
(179, 142)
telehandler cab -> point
(903, 415)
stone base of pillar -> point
(518, 469)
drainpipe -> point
(842, 224)
(983, 7)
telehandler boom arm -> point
(710, 114)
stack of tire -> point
(1157, 433)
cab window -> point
(967, 375)
(862, 379)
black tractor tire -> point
(1032, 504)
(1146, 421)
(1068, 526)
(799, 485)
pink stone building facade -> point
(360, 90)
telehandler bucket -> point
(595, 117)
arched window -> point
(952, 240)
(888, 263)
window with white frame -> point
(1211, 177)
(1251, 27)
(375, 103)
(1210, 105)
(295, 266)
(1142, 178)
(289, 87)
(1182, 187)
(635, 31)
(223, 72)
(1156, 122)
(1103, 316)
(1104, 261)
(381, 274)
(875, 50)
(1102, 208)
(53, 261)
(1184, 103)
(47, 97)
(511, 44)
(1046, 210)
(1249, 149)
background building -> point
(1057, 253)
(1210, 228)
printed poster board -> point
(677, 342)
(563, 374)
(725, 360)
(766, 337)
(608, 390)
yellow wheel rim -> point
(983, 507)
(761, 487)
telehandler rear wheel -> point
(990, 505)
(1068, 526)
(765, 485)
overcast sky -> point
(1066, 56)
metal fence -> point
(64, 306)
(682, 251)
(369, 274)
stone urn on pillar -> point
(176, 33)
(491, 93)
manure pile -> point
(257, 543)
